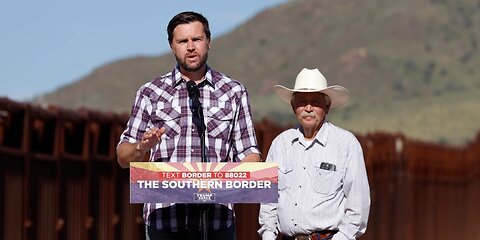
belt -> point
(320, 235)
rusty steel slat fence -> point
(59, 179)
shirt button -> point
(296, 204)
(295, 224)
(193, 150)
(304, 168)
(193, 130)
(300, 186)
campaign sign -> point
(161, 182)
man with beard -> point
(322, 182)
(167, 123)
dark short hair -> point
(185, 18)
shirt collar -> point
(321, 137)
(177, 77)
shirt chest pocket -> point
(219, 121)
(169, 118)
(284, 175)
(327, 182)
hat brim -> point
(338, 95)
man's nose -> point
(308, 107)
(190, 46)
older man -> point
(323, 185)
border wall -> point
(59, 179)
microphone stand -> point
(202, 132)
(194, 94)
(203, 207)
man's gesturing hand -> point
(150, 139)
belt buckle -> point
(303, 237)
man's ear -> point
(327, 108)
(293, 108)
(328, 103)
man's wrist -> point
(138, 148)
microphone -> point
(193, 92)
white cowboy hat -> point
(312, 80)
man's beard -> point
(183, 64)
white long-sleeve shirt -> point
(314, 198)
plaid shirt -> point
(164, 102)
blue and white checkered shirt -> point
(322, 185)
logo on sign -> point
(204, 197)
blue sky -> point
(47, 44)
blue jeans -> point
(191, 234)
